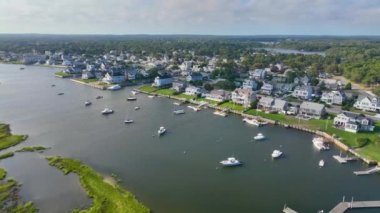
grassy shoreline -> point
(106, 197)
(7, 139)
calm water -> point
(178, 172)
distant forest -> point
(355, 57)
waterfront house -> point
(179, 86)
(192, 90)
(131, 74)
(333, 97)
(353, 122)
(163, 80)
(113, 78)
(312, 110)
(218, 95)
(249, 84)
(367, 103)
(258, 74)
(195, 76)
(266, 89)
(303, 92)
(87, 74)
(272, 104)
(243, 96)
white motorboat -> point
(320, 144)
(161, 130)
(220, 113)
(259, 136)
(151, 96)
(128, 121)
(137, 108)
(231, 161)
(177, 103)
(321, 163)
(276, 154)
(251, 121)
(114, 87)
(107, 111)
(134, 92)
(87, 103)
(196, 109)
(178, 112)
(131, 99)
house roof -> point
(312, 105)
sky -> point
(207, 17)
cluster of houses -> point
(269, 87)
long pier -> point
(342, 160)
(368, 172)
(344, 206)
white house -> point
(249, 84)
(266, 89)
(303, 92)
(272, 104)
(191, 90)
(333, 97)
(353, 122)
(243, 96)
(218, 95)
(312, 110)
(162, 80)
(367, 103)
(257, 74)
(113, 78)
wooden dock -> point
(344, 206)
(369, 171)
(342, 160)
(288, 210)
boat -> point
(61, 93)
(259, 136)
(131, 99)
(151, 96)
(99, 97)
(137, 108)
(231, 161)
(196, 109)
(252, 121)
(87, 103)
(220, 113)
(178, 112)
(321, 163)
(161, 130)
(276, 154)
(134, 92)
(128, 121)
(107, 111)
(320, 144)
(53, 85)
(114, 87)
(22, 68)
(177, 103)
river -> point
(178, 172)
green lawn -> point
(63, 74)
(7, 155)
(168, 92)
(232, 106)
(3, 173)
(87, 80)
(207, 100)
(7, 139)
(106, 197)
(184, 96)
(148, 89)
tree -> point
(348, 86)
(226, 85)
(208, 87)
(254, 104)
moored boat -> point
(259, 136)
(137, 108)
(131, 99)
(87, 103)
(134, 92)
(196, 109)
(128, 121)
(61, 93)
(179, 111)
(161, 130)
(107, 111)
(114, 87)
(231, 161)
(276, 154)
(99, 97)
(321, 163)
(319, 143)
(251, 121)
(220, 113)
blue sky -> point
(219, 17)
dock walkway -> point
(369, 171)
(344, 206)
(342, 160)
